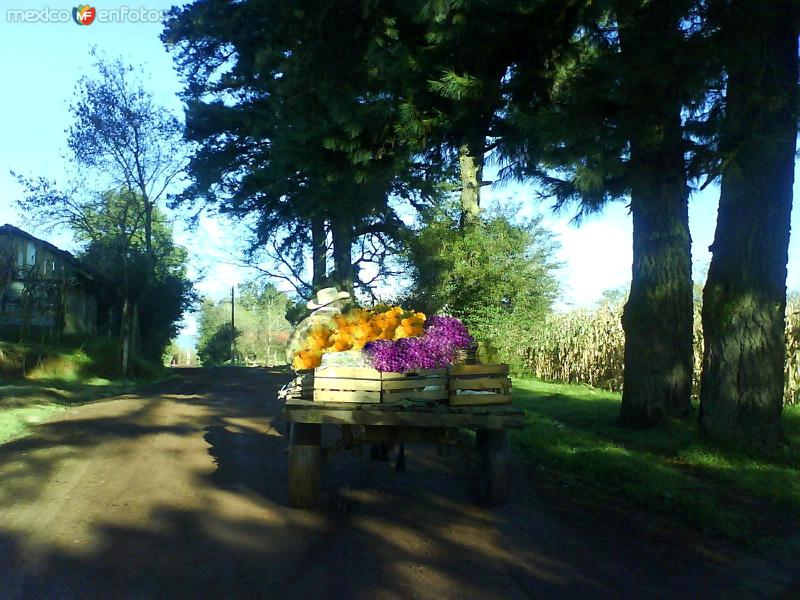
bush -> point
(72, 359)
(497, 276)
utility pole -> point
(233, 329)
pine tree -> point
(612, 126)
(295, 134)
(744, 299)
(448, 66)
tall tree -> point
(122, 132)
(448, 65)
(289, 129)
(657, 318)
(744, 300)
(109, 229)
(155, 284)
(608, 129)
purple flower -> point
(436, 348)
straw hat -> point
(327, 296)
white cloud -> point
(596, 256)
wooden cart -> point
(398, 423)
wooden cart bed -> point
(398, 423)
(409, 414)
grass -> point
(24, 404)
(571, 439)
(39, 381)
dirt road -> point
(180, 492)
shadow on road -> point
(243, 461)
(181, 493)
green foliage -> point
(296, 311)
(121, 133)
(497, 276)
(215, 345)
(290, 130)
(158, 285)
(37, 381)
(571, 438)
(74, 359)
(602, 116)
(261, 332)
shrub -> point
(497, 276)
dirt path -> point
(181, 493)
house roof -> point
(67, 257)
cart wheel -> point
(494, 476)
(305, 460)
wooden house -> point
(44, 289)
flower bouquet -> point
(391, 340)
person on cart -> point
(328, 303)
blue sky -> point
(44, 60)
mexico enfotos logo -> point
(85, 14)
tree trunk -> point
(657, 318)
(342, 255)
(470, 162)
(318, 254)
(744, 300)
(134, 335)
(125, 328)
(125, 333)
(148, 231)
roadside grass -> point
(38, 381)
(571, 439)
(24, 404)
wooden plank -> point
(502, 409)
(347, 373)
(356, 385)
(398, 395)
(396, 418)
(399, 384)
(478, 399)
(483, 383)
(344, 396)
(348, 384)
(305, 460)
(478, 370)
(386, 375)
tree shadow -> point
(230, 535)
(243, 460)
(178, 554)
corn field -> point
(586, 346)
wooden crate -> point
(370, 386)
(491, 381)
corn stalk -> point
(586, 346)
